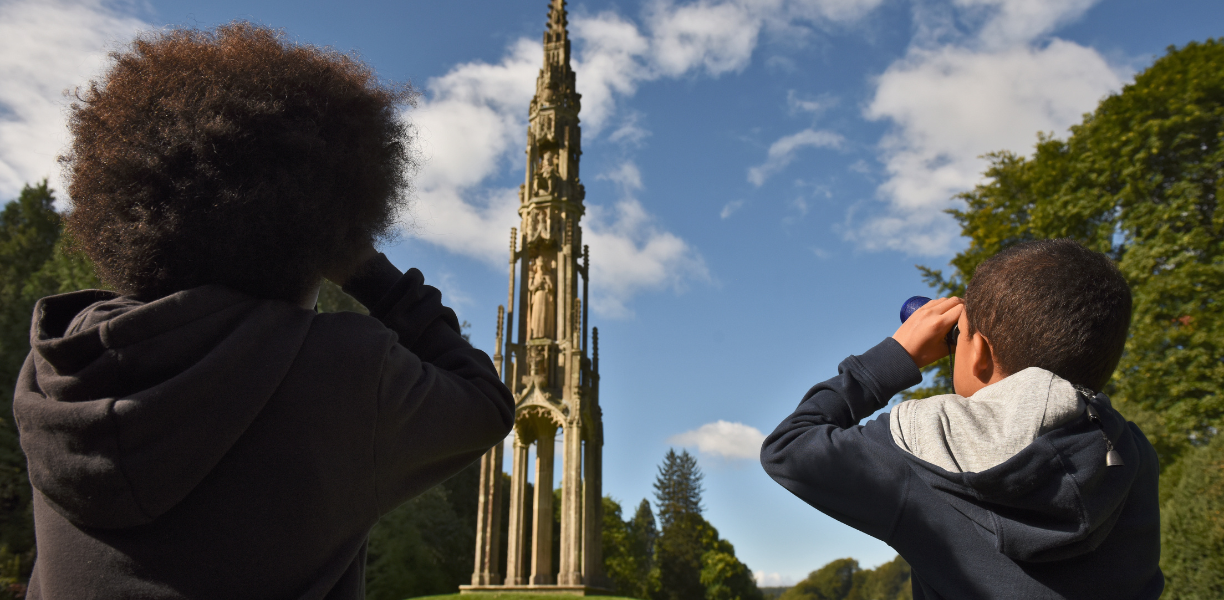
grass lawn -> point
(511, 596)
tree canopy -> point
(842, 579)
(34, 262)
(1139, 179)
(678, 487)
(684, 559)
(628, 549)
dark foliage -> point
(33, 264)
(1194, 565)
(1140, 179)
(678, 556)
(426, 545)
(690, 561)
(842, 579)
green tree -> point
(628, 549)
(692, 562)
(333, 299)
(34, 262)
(679, 548)
(678, 487)
(842, 579)
(889, 581)
(425, 546)
(414, 549)
(1140, 179)
(830, 582)
(723, 575)
(1194, 567)
(643, 535)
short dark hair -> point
(1052, 304)
(234, 157)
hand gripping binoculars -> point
(917, 302)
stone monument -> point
(555, 383)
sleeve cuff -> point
(891, 368)
(372, 281)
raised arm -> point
(822, 456)
(441, 402)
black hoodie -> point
(1052, 521)
(214, 445)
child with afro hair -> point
(203, 433)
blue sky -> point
(762, 176)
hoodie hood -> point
(124, 406)
(974, 434)
(1023, 461)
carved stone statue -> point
(547, 173)
(542, 315)
(537, 223)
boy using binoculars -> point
(1025, 483)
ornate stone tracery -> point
(555, 384)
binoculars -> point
(917, 302)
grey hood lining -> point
(970, 435)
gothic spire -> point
(556, 38)
(555, 86)
(557, 22)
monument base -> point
(560, 590)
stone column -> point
(592, 556)
(515, 573)
(571, 507)
(541, 538)
(488, 518)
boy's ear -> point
(983, 365)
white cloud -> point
(764, 579)
(630, 132)
(610, 63)
(468, 128)
(1008, 23)
(782, 152)
(729, 208)
(630, 253)
(472, 126)
(718, 37)
(47, 47)
(817, 105)
(723, 438)
(453, 292)
(800, 205)
(626, 175)
(951, 104)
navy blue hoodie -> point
(1053, 521)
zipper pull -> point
(1113, 458)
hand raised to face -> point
(341, 272)
(923, 333)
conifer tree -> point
(678, 487)
(642, 531)
(679, 549)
